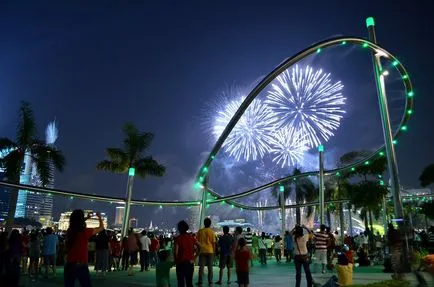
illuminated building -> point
(119, 215)
(92, 222)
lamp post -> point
(204, 188)
(321, 183)
(387, 132)
(126, 221)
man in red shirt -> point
(186, 251)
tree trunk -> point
(370, 221)
(365, 219)
(350, 220)
(341, 220)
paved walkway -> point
(273, 274)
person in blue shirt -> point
(289, 246)
(226, 244)
(49, 250)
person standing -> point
(115, 249)
(144, 253)
(50, 244)
(186, 249)
(133, 249)
(77, 237)
(249, 242)
(289, 246)
(35, 254)
(102, 253)
(207, 239)
(302, 255)
(225, 243)
(278, 248)
(242, 258)
(153, 250)
(255, 249)
(321, 239)
(262, 245)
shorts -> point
(321, 256)
(225, 261)
(206, 259)
(50, 260)
(243, 277)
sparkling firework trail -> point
(251, 135)
(51, 133)
(307, 100)
(288, 146)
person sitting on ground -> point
(162, 270)
(344, 268)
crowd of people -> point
(38, 252)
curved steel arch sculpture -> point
(201, 177)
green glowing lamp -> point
(161, 206)
(282, 188)
(338, 173)
(410, 94)
(370, 22)
(394, 141)
(404, 77)
(232, 206)
(409, 112)
(205, 169)
(395, 63)
(344, 43)
(353, 169)
(318, 50)
(320, 148)
(71, 197)
(131, 171)
(403, 128)
(381, 153)
(365, 45)
(367, 162)
(212, 157)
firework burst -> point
(288, 146)
(307, 100)
(251, 136)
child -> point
(242, 259)
(162, 271)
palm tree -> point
(305, 191)
(427, 176)
(132, 159)
(29, 150)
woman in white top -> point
(301, 255)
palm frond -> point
(112, 166)
(117, 154)
(44, 153)
(427, 176)
(148, 166)
(12, 165)
(43, 168)
(26, 125)
(6, 144)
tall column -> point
(126, 219)
(203, 201)
(387, 133)
(321, 183)
(282, 211)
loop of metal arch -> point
(252, 95)
(267, 80)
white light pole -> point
(126, 219)
(321, 183)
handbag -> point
(302, 258)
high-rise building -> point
(4, 200)
(34, 205)
(119, 215)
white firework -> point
(288, 146)
(250, 137)
(51, 133)
(307, 100)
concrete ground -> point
(273, 274)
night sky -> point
(94, 66)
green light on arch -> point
(370, 22)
